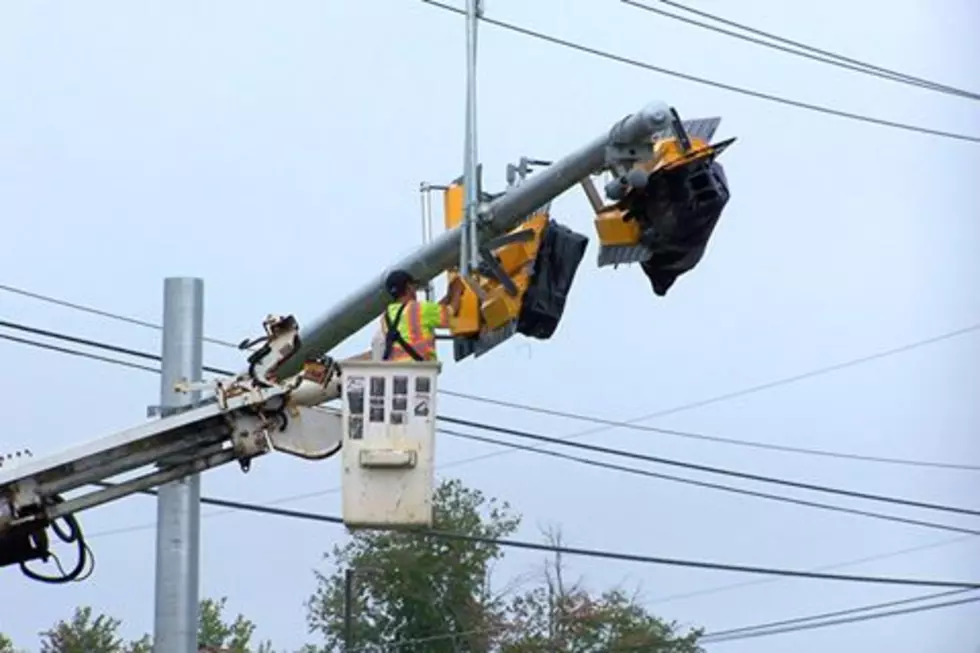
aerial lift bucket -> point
(389, 412)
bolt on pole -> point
(176, 607)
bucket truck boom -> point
(387, 415)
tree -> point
(433, 594)
(409, 586)
(558, 617)
(235, 637)
(83, 634)
(6, 645)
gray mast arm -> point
(499, 216)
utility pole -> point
(348, 610)
(469, 250)
(179, 503)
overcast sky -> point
(275, 150)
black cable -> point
(710, 469)
(73, 534)
(845, 620)
(135, 353)
(712, 438)
(95, 311)
(557, 413)
(588, 552)
(748, 632)
(809, 52)
(80, 354)
(551, 440)
(708, 82)
(836, 613)
(715, 486)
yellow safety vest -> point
(414, 323)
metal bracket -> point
(490, 263)
(169, 411)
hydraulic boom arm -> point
(273, 405)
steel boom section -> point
(497, 217)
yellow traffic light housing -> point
(666, 208)
(521, 283)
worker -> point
(408, 325)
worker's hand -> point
(453, 292)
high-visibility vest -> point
(409, 329)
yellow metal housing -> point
(616, 233)
(515, 259)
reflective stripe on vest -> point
(409, 326)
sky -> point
(275, 150)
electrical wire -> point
(711, 469)
(101, 313)
(630, 424)
(135, 353)
(714, 486)
(828, 615)
(590, 552)
(762, 630)
(79, 354)
(837, 565)
(808, 52)
(708, 82)
(660, 460)
(714, 438)
(606, 424)
(845, 620)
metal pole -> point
(468, 257)
(366, 303)
(348, 610)
(175, 618)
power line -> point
(87, 342)
(837, 565)
(710, 469)
(708, 82)
(590, 552)
(846, 620)
(808, 52)
(715, 486)
(714, 438)
(746, 632)
(579, 445)
(835, 613)
(631, 424)
(95, 311)
(79, 354)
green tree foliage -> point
(85, 634)
(235, 637)
(433, 595)
(409, 586)
(6, 645)
(559, 617)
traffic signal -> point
(666, 209)
(521, 283)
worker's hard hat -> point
(398, 281)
